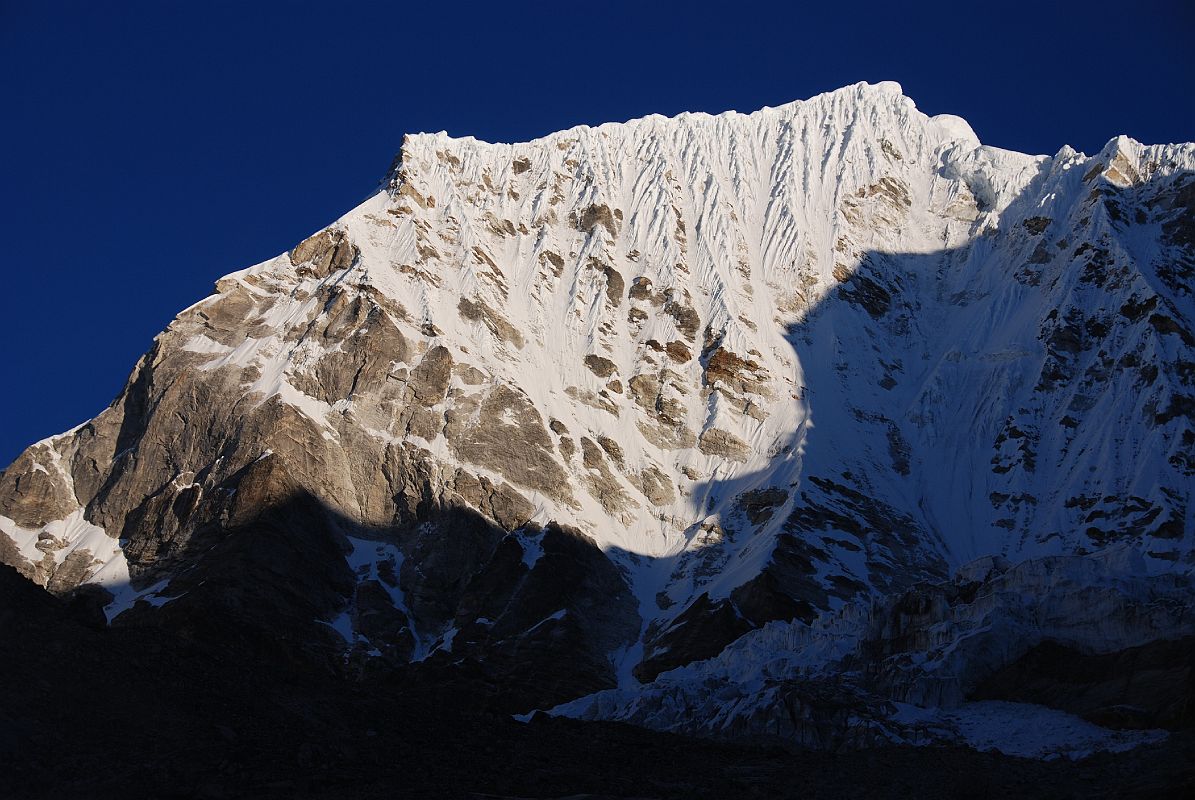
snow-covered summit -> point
(860, 94)
(747, 368)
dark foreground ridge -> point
(144, 712)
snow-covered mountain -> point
(703, 415)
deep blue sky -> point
(149, 148)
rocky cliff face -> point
(588, 409)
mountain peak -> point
(668, 395)
(830, 106)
